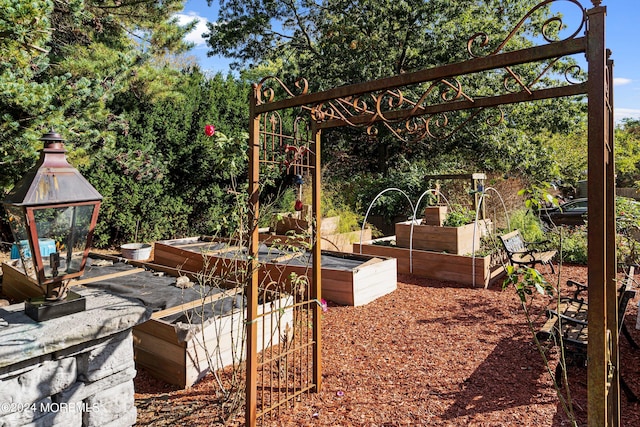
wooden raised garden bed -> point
(454, 240)
(289, 229)
(436, 265)
(181, 353)
(347, 278)
(17, 285)
(339, 242)
(171, 345)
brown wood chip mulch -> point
(432, 353)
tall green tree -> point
(627, 151)
(165, 177)
(62, 61)
(24, 97)
(339, 42)
(346, 41)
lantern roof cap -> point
(52, 135)
(52, 180)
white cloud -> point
(619, 81)
(194, 36)
(621, 113)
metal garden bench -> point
(573, 312)
(521, 252)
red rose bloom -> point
(209, 130)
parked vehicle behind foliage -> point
(571, 213)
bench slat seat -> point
(533, 257)
(571, 310)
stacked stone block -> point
(86, 383)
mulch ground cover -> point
(432, 353)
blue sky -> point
(622, 35)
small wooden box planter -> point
(453, 240)
(289, 224)
(340, 242)
(347, 278)
(437, 265)
(286, 223)
(435, 215)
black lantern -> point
(52, 212)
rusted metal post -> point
(254, 242)
(611, 291)
(316, 254)
(597, 188)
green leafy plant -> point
(526, 280)
(459, 216)
(628, 230)
(490, 245)
(349, 219)
(537, 196)
(574, 243)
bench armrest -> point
(580, 287)
(568, 319)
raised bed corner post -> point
(254, 242)
(603, 406)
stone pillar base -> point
(76, 370)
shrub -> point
(528, 224)
(571, 243)
(334, 204)
(628, 229)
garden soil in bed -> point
(432, 353)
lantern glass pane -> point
(62, 237)
(18, 223)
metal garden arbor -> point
(383, 103)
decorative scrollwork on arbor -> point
(481, 39)
(439, 127)
(390, 106)
(399, 112)
(266, 94)
(551, 27)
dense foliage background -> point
(115, 78)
